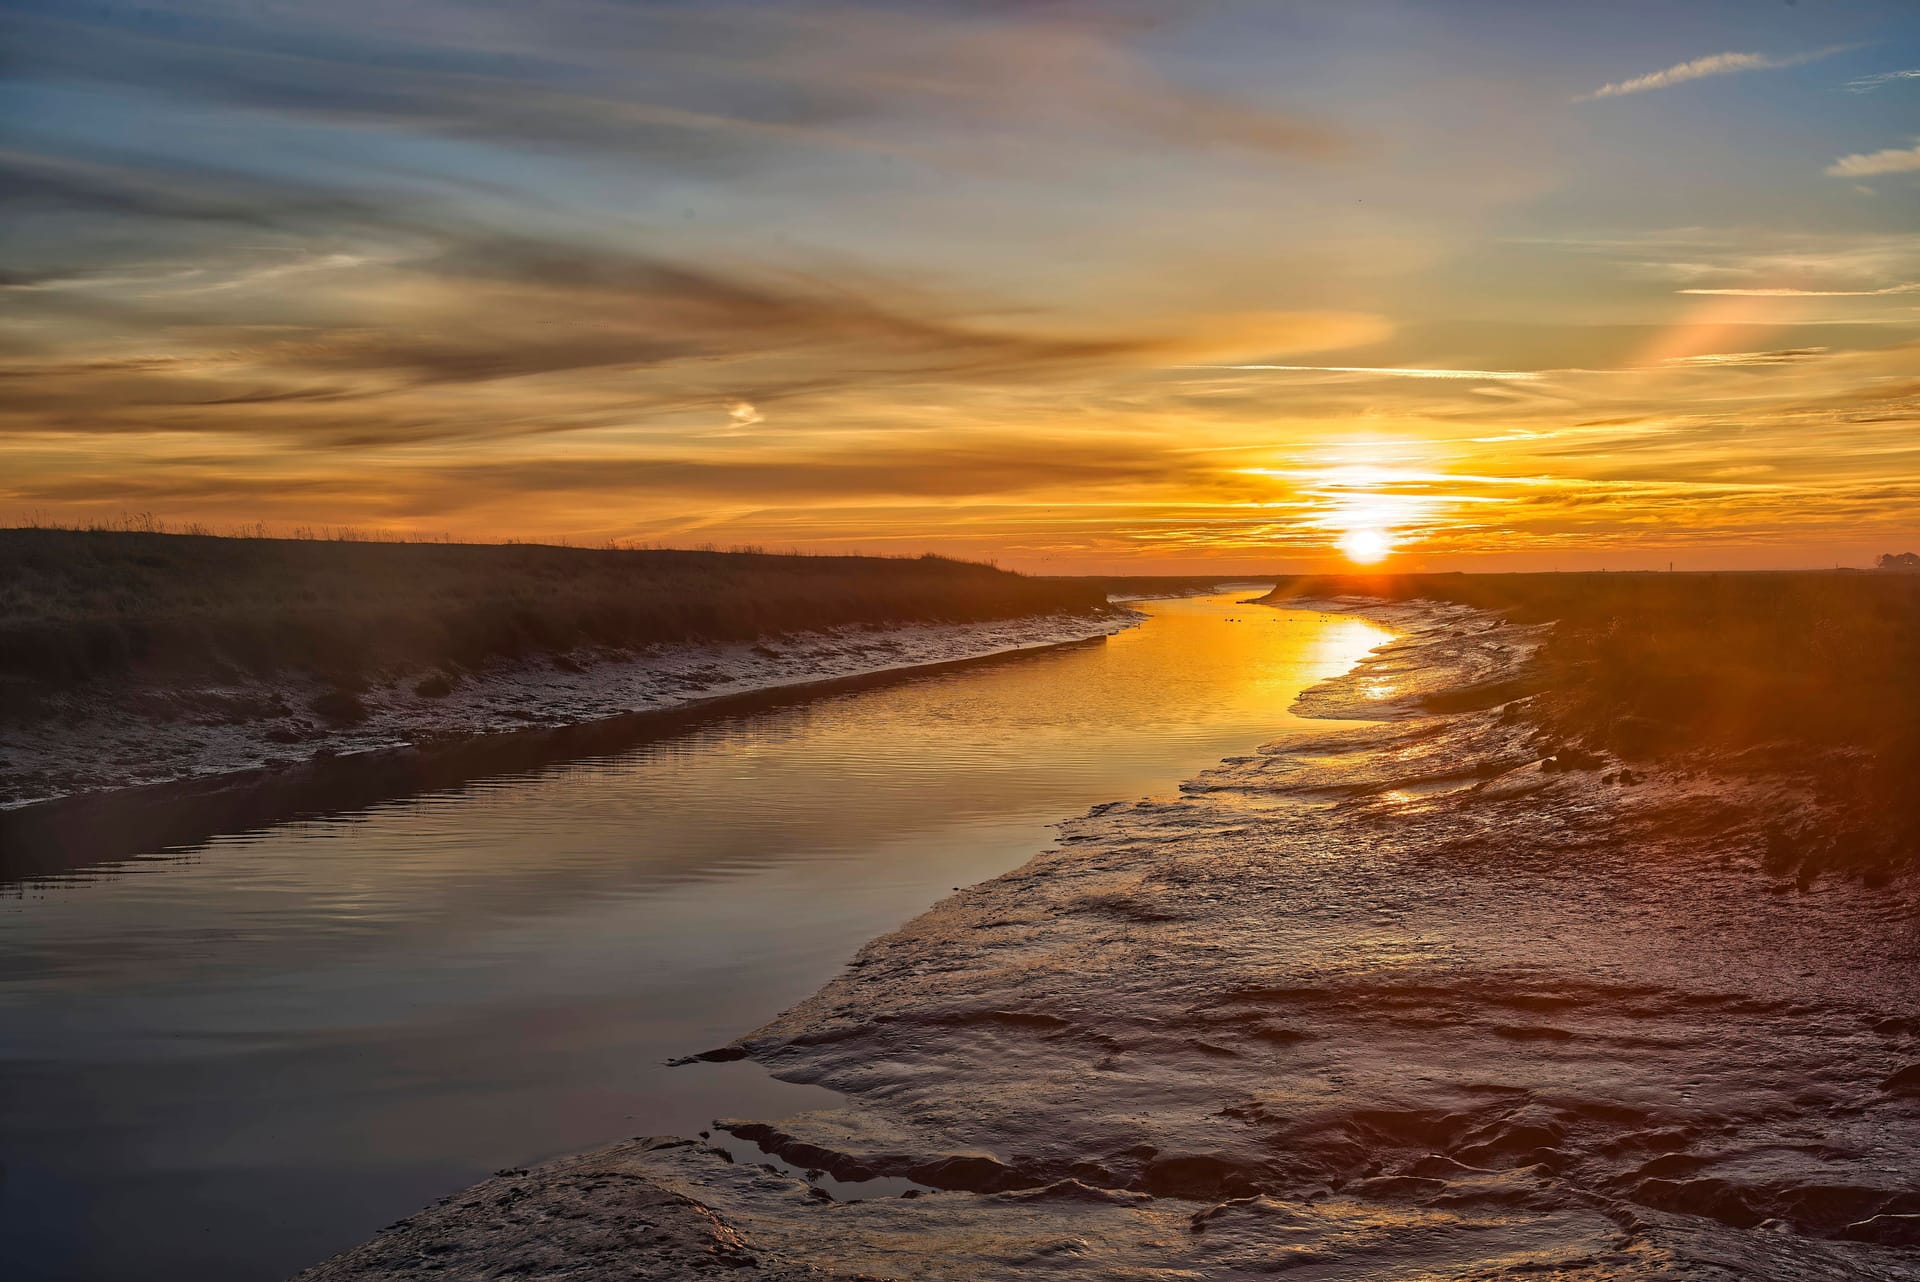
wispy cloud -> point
(1892, 160)
(986, 278)
(1867, 84)
(915, 468)
(1723, 360)
(1719, 64)
(1497, 375)
(409, 309)
(751, 82)
(1911, 287)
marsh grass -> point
(1821, 668)
(85, 605)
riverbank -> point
(129, 661)
(126, 769)
(90, 606)
(1423, 996)
(1812, 677)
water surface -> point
(232, 1060)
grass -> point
(1822, 667)
(79, 606)
(1147, 585)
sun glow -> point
(1365, 546)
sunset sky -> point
(1481, 284)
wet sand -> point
(1420, 999)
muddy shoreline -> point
(412, 745)
(1425, 996)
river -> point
(228, 1061)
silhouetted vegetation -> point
(1148, 585)
(1821, 670)
(79, 606)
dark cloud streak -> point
(909, 469)
(678, 85)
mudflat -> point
(1437, 995)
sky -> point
(1074, 287)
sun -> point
(1366, 546)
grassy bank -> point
(85, 606)
(1153, 585)
(1822, 669)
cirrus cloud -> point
(1867, 84)
(1870, 164)
(1731, 292)
(1719, 64)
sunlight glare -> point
(1365, 546)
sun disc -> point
(1365, 547)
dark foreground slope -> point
(1812, 673)
(80, 605)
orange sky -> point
(1075, 287)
